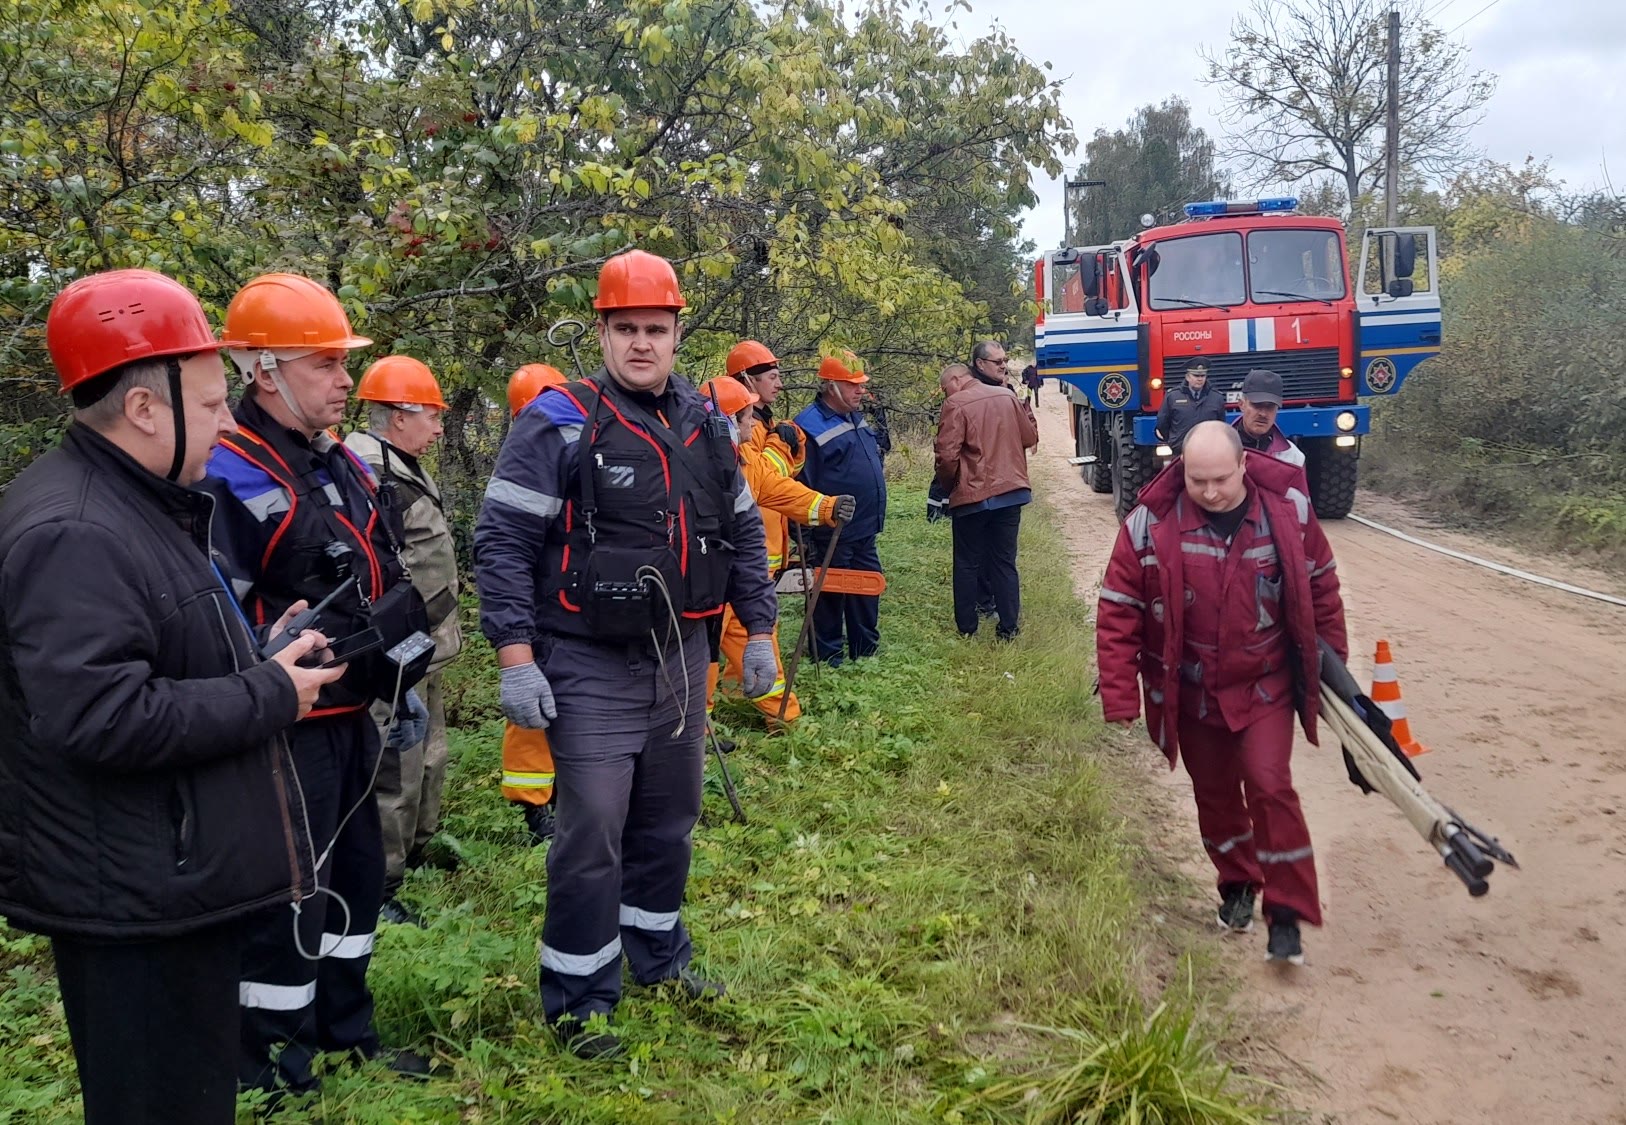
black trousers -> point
(154, 1026)
(856, 615)
(985, 558)
(301, 997)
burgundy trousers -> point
(1249, 815)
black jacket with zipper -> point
(145, 786)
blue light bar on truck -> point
(1241, 207)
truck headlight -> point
(1344, 441)
(1164, 451)
(1345, 421)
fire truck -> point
(1243, 285)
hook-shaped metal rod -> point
(566, 332)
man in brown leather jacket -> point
(981, 453)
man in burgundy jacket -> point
(1219, 584)
(981, 454)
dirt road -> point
(1418, 1003)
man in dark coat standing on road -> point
(1219, 585)
(144, 789)
(1184, 406)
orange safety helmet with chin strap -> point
(400, 380)
(285, 310)
(638, 279)
(528, 382)
(104, 321)
(843, 367)
(732, 395)
(748, 354)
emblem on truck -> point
(1114, 391)
(1380, 375)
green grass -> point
(937, 913)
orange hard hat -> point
(109, 319)
(732, 397)
(284, 310)
(638, 280)
(528, 382)
(747, 354)
(843, 367)
(400, 379)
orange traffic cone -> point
(1386, 694)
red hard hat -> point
(528, 382)
(400, 379)
(109, 319)
(637, 280)
(843, 367)
(284, 310)
(732, 397)
(747, 354)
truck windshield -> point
(1295, 265)
(1198, 271)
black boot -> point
(397, 913)
(540, 820)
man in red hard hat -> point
(404, 408)
(616, 524)
(147, 807)
(299, 519)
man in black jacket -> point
(144, 796)
(1183, 407)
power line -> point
(1473, 17)
(1438, 8)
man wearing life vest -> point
(844, 458)
(616, 523)
(780, 498)
(297, 519)
(527, 759)
(403, 420)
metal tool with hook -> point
(565, 332)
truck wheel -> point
(1097, 474)
(1332, 473)
(1131, 468)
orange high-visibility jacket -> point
(781, 499)
(765, 440)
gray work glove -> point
(759, 667)
(846, 508)
(411, 724)
(527, 699)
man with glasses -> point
(988, 365)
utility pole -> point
(1392, 142)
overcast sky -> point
(1561, 68)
